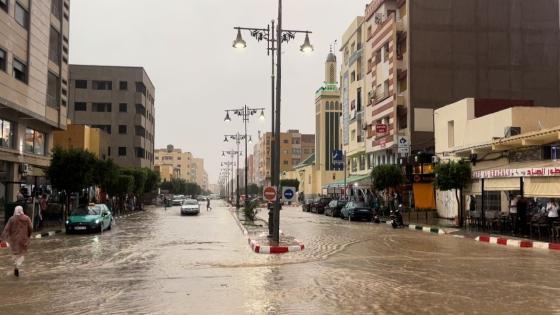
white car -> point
(190, 206)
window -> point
(4, 5)
(109, 151)
(6, 133)
(123, 85)
(122, 151)
(140, 109)
(106, 128)
(80, 84)
(141, 153)
(450, 133)
(53, 90)
(54, 46)
(286, 141)
(80, 106)
(141, 88)
(20, 70)
(285, 162)
(102, 85)
(56, 8)
(2, 59)
(123, 107)
(122, 129)
(34, 142)
(21, 15)
(101, 107)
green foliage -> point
(250, 211)
(290, 183)
(106, 173)
(139, 176)
(72, 170)
(181, 186)
(386, 176)
(152, 180)
(254, 189)
(124, 184)
(452, 175)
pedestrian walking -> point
(164, 202)
(17, 234)
(208, 207)
(43, 204)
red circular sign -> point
(270, 193)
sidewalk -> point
(257, 236)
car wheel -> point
(110, 223)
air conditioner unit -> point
(24, 168)
(512, 131)
(435, 159)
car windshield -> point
(87, 211)
(190, 202)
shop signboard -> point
(517, 172)
(381, 128)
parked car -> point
(356, 211)
(95, 217)
(334, 207)
(306, 207)
(190, 206)
(177, 200)
(320, 204)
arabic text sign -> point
(517, 172)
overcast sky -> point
(185, 47)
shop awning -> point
(542, 187)
(359, 179)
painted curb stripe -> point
(526, 244)
(540, 245)
(554, 246)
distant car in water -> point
(201, 198)
(177, 200)
(320, 204)
(190, 206)
(95, 217)
(334, 207)
(356, 211)
(306, 207)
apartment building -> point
(199, 174)
(120, 101)
(33, 89)
(352, 91)
(174, 163)
(294, 148)
(423, 55)
(83, 137)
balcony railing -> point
(381, 94)
(357, 54)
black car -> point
(320, 204)
(306, 207)
(334, 207)
(356, 211)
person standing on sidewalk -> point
(17, 234)
(552, 214)
(43, 204)
(513, 213)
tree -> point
(254, 189)
(106, 174)
(152, 180)
(454, 175)
(386, 177)
(193, 189)
(290, 183)
(139, 176)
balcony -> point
(355, 56)
(381, 94)
(402, 61)
(139, 120)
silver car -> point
(190, 206)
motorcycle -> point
(396, 218)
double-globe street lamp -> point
(245, 112)
(237, 137)
(273, 36)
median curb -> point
(517, 243)
(416, 227)
(260, 249)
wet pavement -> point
(158, 262)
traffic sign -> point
(288, 193)
(403, 145)
(403, 141)
(403, 150)
(270, 193)
(337, 155)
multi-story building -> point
(199, 173)
(83, 137)
(294, 148)
(33, 89)
(174, 163)
(119, 100)
(353, 89)
(424, 55)
(251, 169)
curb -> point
(517, 243)
(427, 229)
(257, 248)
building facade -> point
(120, 101)
(174, 163)
(83, 137)
(33, 89)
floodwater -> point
(158, 262)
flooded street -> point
(157, 262)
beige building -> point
(294, 148)
(352, 92)
(120, 101)
(498, 136)
(199, 173)
(83, 137)
(423, 57)
(33, 88)
(174, 163)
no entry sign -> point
(270, 193)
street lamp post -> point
(237, 137)
(281, 36)
(231, 153)
(245, 112)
